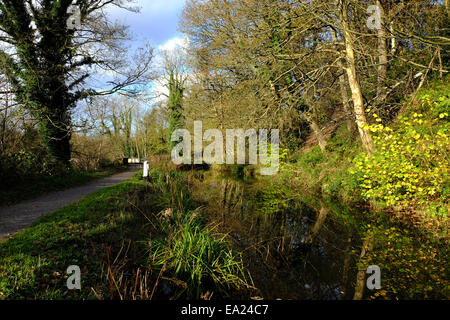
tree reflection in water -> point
(292, 250)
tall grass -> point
(200, 259)
(190, 255)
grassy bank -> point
(33, 262)
(326, 173)
(136, 240)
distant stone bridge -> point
(133, 162)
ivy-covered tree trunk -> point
(38, 73)
(56, 133)
(175, 106)
(53, 112)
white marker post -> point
(146, 168)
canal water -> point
(292, 248)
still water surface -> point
(291, 249)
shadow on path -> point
(20, 216)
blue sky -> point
(157, 21)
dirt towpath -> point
(20, 216)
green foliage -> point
(23, 164)
(327, 172)
(18, 164)
(410, 167)
(238, 172)
(313, 157)
(171, 188)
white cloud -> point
(171, 46)
(174, 43)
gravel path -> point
(20, 216)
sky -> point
(157, 21)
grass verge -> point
(126, 246)
(31, 187)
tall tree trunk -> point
(4, 120)
(56, 134)
(393, 40)
(343, 88)
(358, 103)
(382, 60)
(55, 122)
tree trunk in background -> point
(4, 120)
(2, 140)
(382, 61)
(316, 130)
(175, 107)
(358, 103)
(393, 40)
(343, 88)
(320, 138)
(345, 103)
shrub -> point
(314, 157)
(20, 164)
(409, 168)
